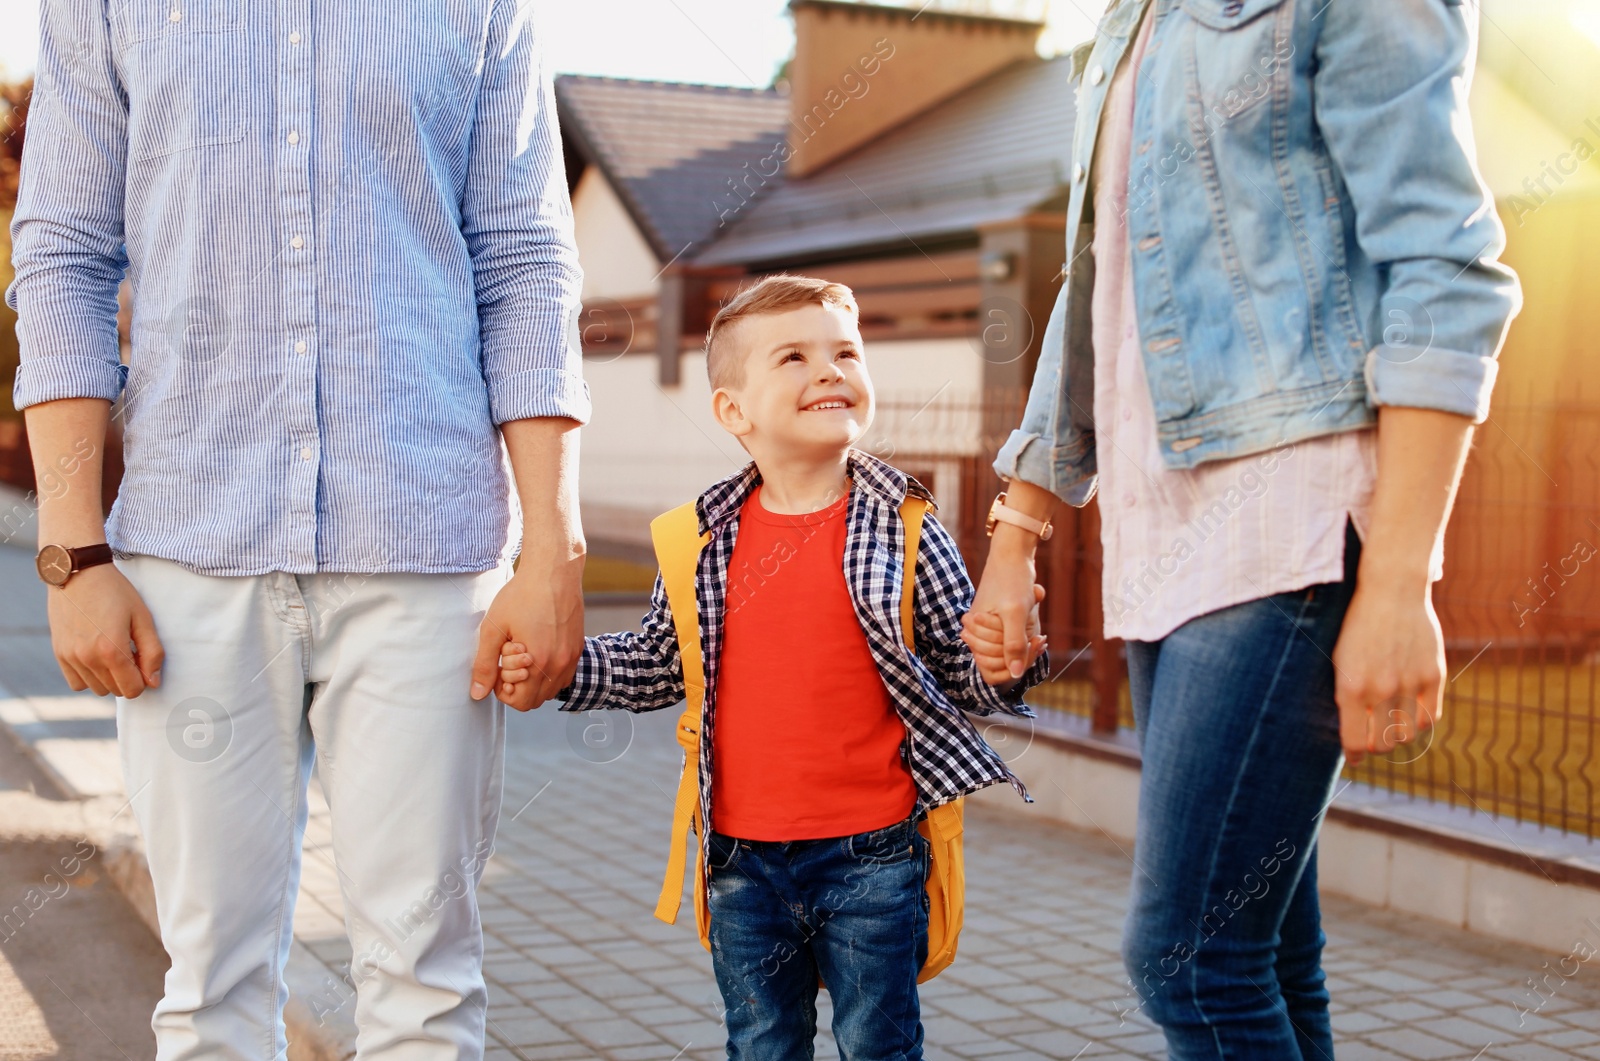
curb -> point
(101, 821)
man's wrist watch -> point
(999, 513)
(58, 563)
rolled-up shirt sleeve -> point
(516, 217)
(1391, 99)
(68, 250)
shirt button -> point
(300, 346)
(297, 243)
(1097, 74)
(294, 136)
(294, 36)
(1127, 501)
(174, 15)
(1127, 414)
(305, 455)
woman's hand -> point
(1389, 659)
(984, 634)
(1388, 668)
(1007, 592)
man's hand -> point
(1388, 669)
(537, 616)
(103, 635)
(984, 634)
(542, 606)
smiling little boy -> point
(825, 737)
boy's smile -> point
(806, 390)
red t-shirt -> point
(806, 741)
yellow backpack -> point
(678, 542)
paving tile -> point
(1409, 1042)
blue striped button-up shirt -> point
(350, 244)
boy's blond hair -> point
(773, 294)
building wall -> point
(649, 447)
(617, 262)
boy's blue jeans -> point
(1240, 737)
(852, 911)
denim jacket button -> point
(1077, 172)
(1097, 74)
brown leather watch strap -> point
(90, 556)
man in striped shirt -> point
(350, 244)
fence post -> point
(1105, 654)
(1105, 665)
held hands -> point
(537, 621)
(985, 634)
(1005, 610)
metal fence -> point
(1519, 604)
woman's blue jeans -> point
(1240, 739)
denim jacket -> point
(1310, 237)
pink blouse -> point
(1179, 544)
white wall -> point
(617, 262)
(651, 447)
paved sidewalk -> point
(579, 969)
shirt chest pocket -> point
(1241, 50)
(181, 61)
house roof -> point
(992, 152)
(669, 149)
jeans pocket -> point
(891, 844)
(724, 851)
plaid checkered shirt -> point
(931, 688)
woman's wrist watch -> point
(999, 513)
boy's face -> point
(806, 390)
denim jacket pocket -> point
(181, 63)
(1238, 56)
(1227, 14)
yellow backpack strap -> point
(912, 509)
(941, 826)
(678, 542)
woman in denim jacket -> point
(1278, 328)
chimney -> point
(860, 69)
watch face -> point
(55, 565)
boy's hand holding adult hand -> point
(984, 634)
(538, 618)
(93, 619)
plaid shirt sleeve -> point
(634, 672)
(944, 594)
